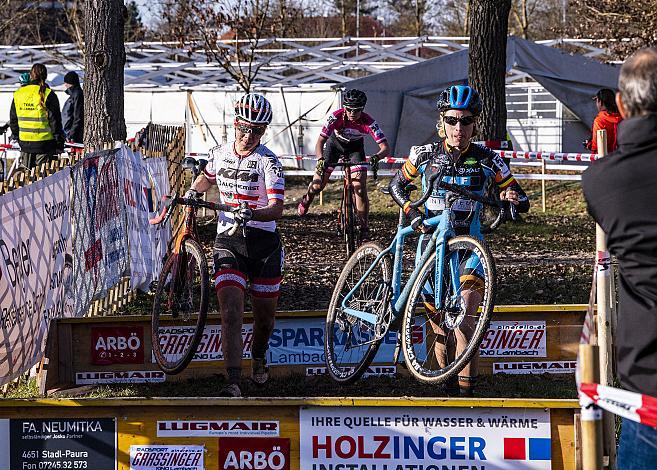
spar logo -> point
(399, 447)
(257, 453)
(230, 428)
(117, 345)
(124, 377)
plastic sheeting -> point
(403, 100)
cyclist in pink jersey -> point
(342, 137)
(246, 171)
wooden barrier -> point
(114, 429)
(70, 346)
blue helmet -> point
(24, 78)
(460, 97)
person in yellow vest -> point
(36, 119)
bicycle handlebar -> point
(169, 202)
(504, 206)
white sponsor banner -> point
(514, 338)
(35, 269)
(372, 371)
(100, 244)
(123, 377)
(293, 341)
(218, 428)
(158, 178)
(402, 438)
(141, 193)
(4, 443)
(166, 457)
(547, 367)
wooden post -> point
(543, 190)
(604, 321)
(591, 417)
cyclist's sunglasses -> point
(246, 129)
(352, 110)
(453, 120)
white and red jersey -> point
(255, 178)
(349, 131)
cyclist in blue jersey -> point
(465, 164)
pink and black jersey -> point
(256, 179)
(349, 131)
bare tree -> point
(410, 16)
(535, 19)
(487, 63)
(347, 9)
(626, 26)
(455, 18)
(104, 120)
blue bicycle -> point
(445, 305)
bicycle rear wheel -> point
(439, 342)
(180, 308)
(350, 343)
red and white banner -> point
(266, 453)
(630, 405)
(35, 269)
(117, 345)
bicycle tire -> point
(338, 336)
(348, 220)
(167, 305)
(420, 356)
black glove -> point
(414, 216)
(191, 194)
(243, 214)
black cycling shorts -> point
(335, 149)
(256, 259)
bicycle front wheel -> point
(180, 308)
(351, 343)
(441, 336)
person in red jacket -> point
(608, 118)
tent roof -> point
(403, 100)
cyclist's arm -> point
(384, 150)
(319, 146)
(272, 211)
(275, 185)
(201, 184)
(403, 178)
(508, 186)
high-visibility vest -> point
(33, 121)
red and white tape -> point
(551, 156)
(630, 405)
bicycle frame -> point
(443, 232)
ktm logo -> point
(241, 176)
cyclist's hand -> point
(415, 217)
(374, 165)
(319, 168)
(191, 194)
(243, 215)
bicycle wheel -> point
(350, 343)
(439, 342)
(180, 308)
(348, 221)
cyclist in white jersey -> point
(246, 171)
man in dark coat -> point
(621, 191)
(73, 111)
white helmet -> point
(253, 108)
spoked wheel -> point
(180, 308)
(351, 343)
(439, 342)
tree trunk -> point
(104, 121)
(489, 24)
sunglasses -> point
(352, 110)
(246, 129)
(453, 120)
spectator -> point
(73, 111)
(36, 120)
(620, 193)
(608, 119)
